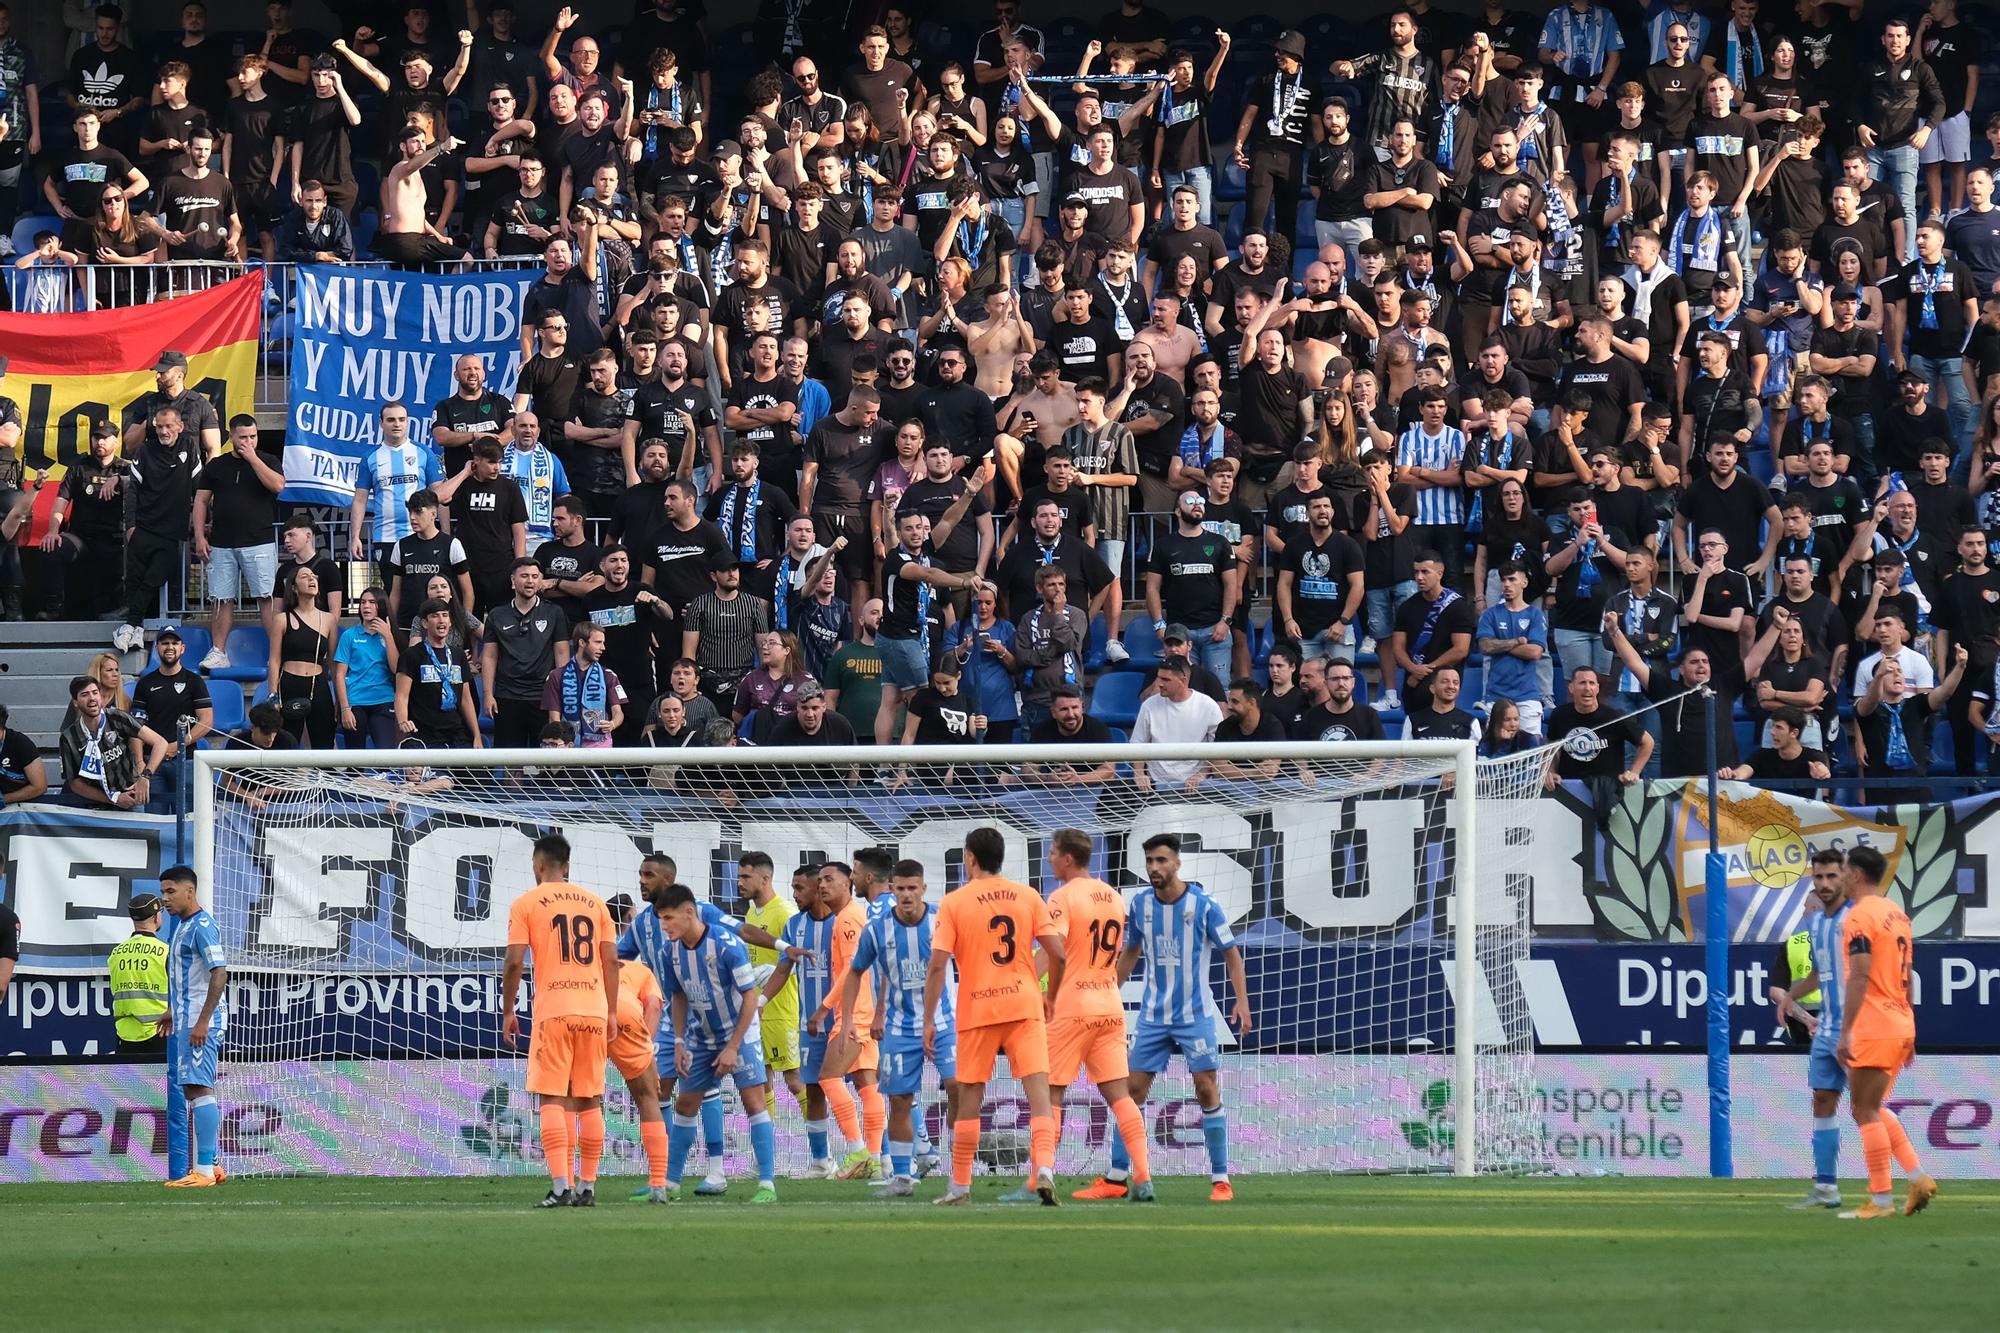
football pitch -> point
(1291, 1252)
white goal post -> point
(355, 888)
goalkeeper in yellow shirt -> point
(768, 911)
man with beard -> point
(633, 619)
(1334, 715)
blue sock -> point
(899, 1157)
(1826, 1150)
(816, 1133)
(764, 1147)
(1121, 1163)
(1215, 1130)
(680, 1142)
(711, 1127)
(207, 1118)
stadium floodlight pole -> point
(1466, 985)
(1715, 960)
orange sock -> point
(575, 1136)
(1900, 1145)
(556, 1143)
(653, 1135)
(1041, 1146)
(874, 1116)
(590, 1137)
(964, 1147)
(840, 1105)
(1132, 1129)
(1876, 1152)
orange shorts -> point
(1879, 1052)
(566, 1056)
(632, 1053)
(867, 1059)
(1025, 1040)
(1095, 1042)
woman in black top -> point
(1784, 675)
(124, 253)
(1184, 284)
(1284, 700)
(297, 677)
(1005, 167)
(955, 110)
(1504, 735)
(464, 637)
(1515, 532)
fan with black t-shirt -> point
(678, 561)
(549, 381)
(1355, 723)
(657, 407)
(414, 560)
(1593, 741)
(486, 413)
(243, 509)
(484, 513)
(942, 719)
(1083, 348)
(778, 452)
(1321, 580)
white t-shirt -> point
(1192, 720)
(1917, 673)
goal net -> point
(1379, 895)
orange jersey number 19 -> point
(1090, 916)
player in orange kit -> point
(633, 1053)
(989, 927)
(857, 1056)
(1880, 1033)
(1086, 1015)
(568, 929)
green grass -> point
(1366, 1254)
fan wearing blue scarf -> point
(585, 693)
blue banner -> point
(361, 337)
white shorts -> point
(1111, 550)
(231, 567)
(1951, 143)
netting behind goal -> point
(364, 910)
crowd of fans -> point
(1554, 365)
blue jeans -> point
(1582, 647)
(1896, 170)
(164, 792)
(1203, 181)
(1946, 375)
(1215, 656)
(1382, 604)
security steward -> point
(139, 982)
(1795, 961)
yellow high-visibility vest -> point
(1798, 956)
(139, 986)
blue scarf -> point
(924, 595)
(722, 259)
(1586, 571)
(782, 602)
(1475, 517)
(447, 692)
(1707, 243)
(583, 692)
(539, 472)
(1121, 321)
(1732, 56)
(746, 536)
(1898, 750)
(1447, 147)
(673, 109)
(1420, 648)
(690, 257)
(973, 242)
(1010, 105)
(1614, 235)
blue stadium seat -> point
(249, 650)
(1473, 680)
(1746, 738)
(1142, 644)
(1119, 735)
(230, 713)
(1094, 659)
(1114, 701)
(261, 693)
(747, 728)
(25, 229)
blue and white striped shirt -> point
(1442, 452)
(1176, 940)
(1586, 39)
(646, 940)
(880, 907)
(718, 980)
(194, 951)
(391, 474)
(1830, 965)
(815, 936)
(900, 957)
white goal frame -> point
(1463, 756)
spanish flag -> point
(69, 372)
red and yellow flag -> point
(69, 372)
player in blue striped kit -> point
(197, 1009)
(1176, 928)
(808, 949)
(1824, 1074)
(646, 940)
(712, 995)
(896, 948)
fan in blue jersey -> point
(646, 939)
(1827, 977)
(198, 1014)
(711, 992)
(896, 948)
(1176, 928)
(807, 948)
(384, 480)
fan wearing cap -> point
(1845, 352)
(157, 518)
(1271, 136)
(88, 524)
(1909, 429)
(170, 389)
(165, 699)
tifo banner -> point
(1643, 1114)
(361, 337)
(69, 372)
(1650, 878)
